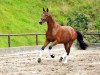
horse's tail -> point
(82, 44)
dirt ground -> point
(81, 62)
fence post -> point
(36, 39)
(8, 40)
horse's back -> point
(67, 27)
(69, 32)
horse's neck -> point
(51, 24)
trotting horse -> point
(58, 34)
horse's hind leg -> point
(66, 54)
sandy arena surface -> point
(81, 62)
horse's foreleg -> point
(41, 51)
(45, 44)
(50, 47)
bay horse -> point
(58, 34)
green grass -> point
(22, 16)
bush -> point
(80, 22)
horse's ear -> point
(47, 10)
(43, 9)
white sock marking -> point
(64, 55)
(66, 59)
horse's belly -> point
(64, 39)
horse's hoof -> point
(52, 56)
(61, 58)
(39, 60)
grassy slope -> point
(22, 16)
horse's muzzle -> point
(40, 22)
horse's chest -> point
(50, 37)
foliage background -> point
(22, 16)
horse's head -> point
(45, 16)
